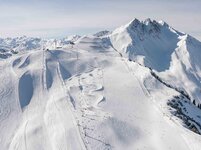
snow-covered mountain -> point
(102, 33)
(137, 87)
(148, 42)
(10, 46)
(21, 43)
(175, 56)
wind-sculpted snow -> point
(134, 88)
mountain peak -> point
(147, 21)
(163, 23)
(134, 23)
(147, 26)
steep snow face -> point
(149, 42)
(174, 55)
(185, 69)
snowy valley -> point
(137, 87)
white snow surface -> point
(100, 93)
(174, 55)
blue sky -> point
(58, 18)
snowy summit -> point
(137, 87)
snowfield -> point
(136, 88)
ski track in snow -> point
(86, 88)
(4, 93)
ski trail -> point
(25, 135)
(87, 91)
(82, 144)
(44, 84)
(91, 114)
(7, 92)
(4, 92)
(27, 126)
(91, 87)
(56, 106)
(147, 93)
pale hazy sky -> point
(58, 18)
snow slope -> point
(102, 93)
